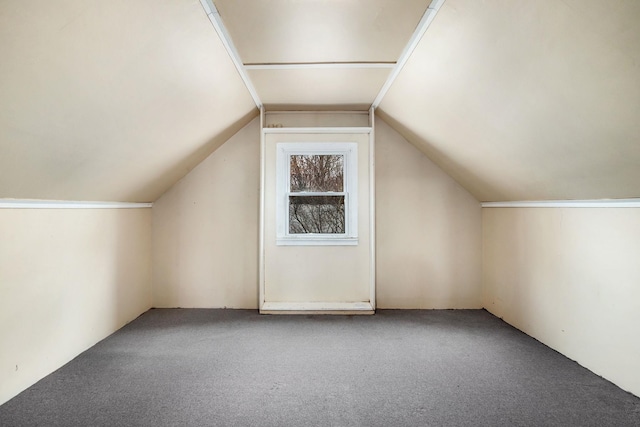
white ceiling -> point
(295, 31)
(522, 100)
(324, 36)
(517, 100)
(350, 88)
(111, 100)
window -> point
(316, 193)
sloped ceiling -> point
(111, 100)
(516, 99)
(527, 100)
(272, 37)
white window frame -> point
(350, 152)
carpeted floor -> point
(396, 368)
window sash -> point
(345, 204)
(343, 157)
(283, 192)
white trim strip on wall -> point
(67, 204)
(215, 19)
(318, 307)
(372, 208)
(597, 203)
(261, 227)
(319, 130)
(319, 65)
(427, 19)
(289, 112)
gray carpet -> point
(397, 368)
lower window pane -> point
(316, 214)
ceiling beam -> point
(216, 21)
(427, 19)
(214, 16)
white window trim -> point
(350, 152)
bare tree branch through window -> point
(316, 213)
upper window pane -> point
(316, 172)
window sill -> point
(317, 241)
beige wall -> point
(570, 278)
(315, 119)
(317, 273)
(205, 230)
(205, 254)
(428, 231)
(68, 278)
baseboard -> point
(317, 308)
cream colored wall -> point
(317, 273)
(276, 119)
(428, 231)
(68, 278)
(428, 243)
(205, 230)
(570, 278)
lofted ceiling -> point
(111, 100)
(527, 100)
(516, 99)
(319, 53)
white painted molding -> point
(66, 204)
(597, 203)
(320, 65)
(317, 241)
(349, 153)
(372, 209)
(427, 19)
(289, 112)
(261, 265)
(215, 19)
(317, 307)
(320, 130)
